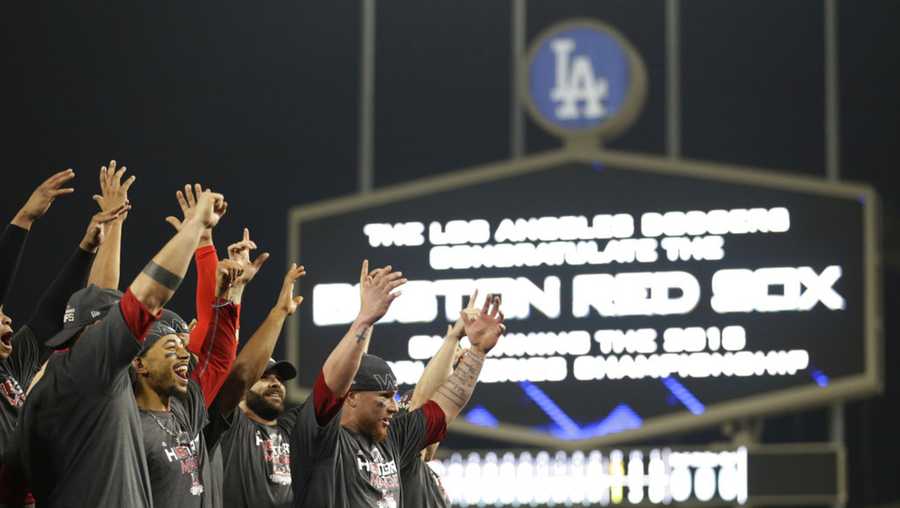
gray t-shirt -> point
(177, 454)
(16, 373)
(333, 467)
(81, 431)
(422, 487)
(257, 461)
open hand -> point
(484, 327)
(287, 302)
(113, 191)
(376, 293)
(42, 197)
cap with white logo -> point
(84, 308)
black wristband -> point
(162, 276)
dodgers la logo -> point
(581, 76)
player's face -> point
(167, 365)
(6, 333)
(375, 410)
(269, 390)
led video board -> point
(793, 474)
(641, 295)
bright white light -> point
(743, 290)
(501, 370)
(407, 372)
(702, 248)
(642, 340)
(715, 222)
(635, 477)
(701, 364)
(459, 231)
(332, 304)
(635, 294)
(335, 304)
(576, 479)
(704, 483)
(556, 253)
(405, 234)
(576, 342)
(547, 229)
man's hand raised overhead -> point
(42, 197)
(113, 191)
(377, 294)
(187, 200)
(484, 328)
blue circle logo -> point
(582, 76)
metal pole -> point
(366, 148)
(517, 48)
(673, 79)
(836, 435)
(832, 105)
(833, 172)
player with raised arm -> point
(421, 486)
(81, 426)
(22, 353)
(347, 447)
(254, 437)
(171, 398)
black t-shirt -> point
(16, 373)
(176, 452)
(81, 430)
(422, 487)
(334, 467)
(256, 460)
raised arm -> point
(113, 195)
(343, 362)
(12, 239)
(483, 329)
(44, 322)
(251, 362)
(440, 367)
(159, 280)
(29, 350)
(218, 351)
(207, 261)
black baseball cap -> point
(85, 307)
(169, 323)
(284, 369)
(374, 375)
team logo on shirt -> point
(12, 392)
(277, 453)
(382, 475)
(187, 456)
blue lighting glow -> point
(684, 395)
(621, 418)
(479, 415)
(549, 407)
(819, 377)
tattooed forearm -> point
(363, 334)
(459, 387)
(162, 276)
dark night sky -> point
(260, 101)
